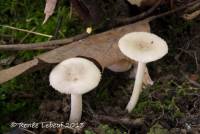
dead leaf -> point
(49, 9)
(101, 47)
(12, 72)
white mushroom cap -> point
(142, 46)
(75, 76)
(121, 66)
(135, 2)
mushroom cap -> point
(143, 46)
(135, 2)
(121, 66)
(75, 76)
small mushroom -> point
(135, 2)
(147, 81)
(142, 47)
(125, 65)
(142, 3)
(121, 66)
(75, 76)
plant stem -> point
(76, 108)
(137, 87)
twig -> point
(138, 17)
(173, 11)
(143, 15)
(56, 43)
(43, 45)
(24, 30)
(29, 131)
(190, 80)
(192, 8)
(123, 120)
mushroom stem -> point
(76, 108)
(137, 87)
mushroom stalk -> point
(137, 87)
(76, 108)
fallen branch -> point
(56, 43)
(43, 45)
(138, 17)
(123, 21)
(121, 120)
(193, 8)
(173, 11)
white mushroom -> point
(121, 66)
(142, 3)
(135, 2)
(142, 47)
(147, 81)
(125, 65)
(75, 76)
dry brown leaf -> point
(49, 9)
(101, 47)
(10, 73)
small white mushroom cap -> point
(121, 66)
(75, 76)
(142, 46)
(135, 2)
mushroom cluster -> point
(77, 76)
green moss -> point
(168, 95)
(158, 129)
(106, 129)
(29, 15)
(14, 108)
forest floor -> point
(171, 105)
